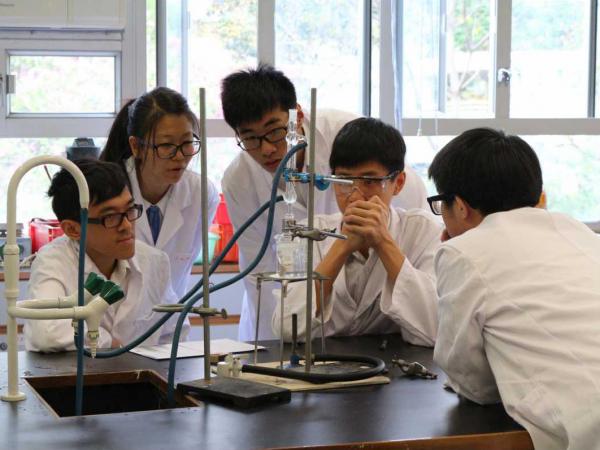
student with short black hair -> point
(381, 277)
(111, 250)
(519, 288)
(154, 137)
(256, 104)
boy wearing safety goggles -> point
(382, 276)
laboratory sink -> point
(107, 393)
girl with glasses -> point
(154, 138)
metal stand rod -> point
(205, 261)
(311, 219)
(258, 287)
(322, 315)
(282, 299)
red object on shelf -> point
(42, 231)
(222, 226)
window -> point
(91, 87)
(205, 41)
(318, 44)
(549, 53)
(31, 195)
(528, 67)
(69, 83)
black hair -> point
(105, 180)
(247, 95)
(488, 169)
(367, 139)
(139, 117)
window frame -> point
(83, 53)
(501, 27)
(130, 46)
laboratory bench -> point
(406, 413)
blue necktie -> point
(154, 221)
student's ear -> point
(462, 208)
(399, 182)
(300, 117)
(134, 145)
(467, 213)
(71, 228)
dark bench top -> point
(405, 409)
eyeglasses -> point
(365, 184)
(272, 137)
(435, 202)
(115, 220)
(169, 151)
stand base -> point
(19, 396)
(240, 393)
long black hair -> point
(139, 118)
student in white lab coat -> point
(112, 251)
(519, 287)
(154, 138)
(256, 105)
(381, 277)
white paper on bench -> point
(194, 348)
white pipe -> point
(58, 302)
(11, 259)
(76, 312)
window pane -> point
(150, 44)
(375, 56)
(421, 53)
(174, 45)
(222, 39)
(42, 85)
(31, 195)
(221, 152)
(468, 62)
(447, 74)
(318, 44)
(549, 55)
(571, 170)
(420, 151)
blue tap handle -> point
(303, 177)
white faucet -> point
(11, 261)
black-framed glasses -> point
(435, 202)
(167, 150)
(272, 137)
(365, 183)
(115, 220)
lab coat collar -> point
(181, 198)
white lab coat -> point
(520, 321)
(247, 186)
(54, 273)
(180, 235)
(407, 306)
